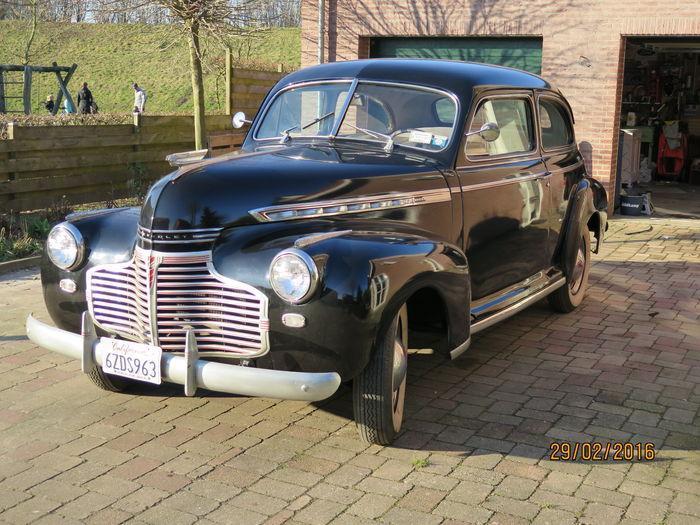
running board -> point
(481, 324)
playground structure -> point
(26, 83)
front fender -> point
(109, 238)
(365, 276)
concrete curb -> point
(19, 264)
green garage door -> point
(520, 53)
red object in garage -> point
(671, 160)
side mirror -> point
(488, 132)
(239, 120)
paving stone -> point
(601, 513)
(604, 478)
(555, 500)
(686, 504)
(228, 514)
(335, 493)
(516, 488)
(646, 491)
(522, 509)
(319, 512)
(646, 510)
(561, 482)
(554, 517)
(163, 514)
(371, 505)
(401, 516)
(459, 511)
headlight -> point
(65, 246)
(293, 275)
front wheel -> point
(107, 382)
(379, 391)
(569, 296)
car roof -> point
(459, 77)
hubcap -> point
(579, 269)
(398, 378)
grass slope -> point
(111, 56)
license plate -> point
(133, 360)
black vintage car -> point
(372, 202)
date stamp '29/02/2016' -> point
(594, 451)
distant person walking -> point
(85, 100)
(49, 104)
(139, 98)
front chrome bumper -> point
(192, 372)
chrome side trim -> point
(308, 240)
(513, 309)
(505, 182)
(509, 295)
(454, 354)
(329, 208)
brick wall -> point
(582, 49)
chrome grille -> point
(156, 297)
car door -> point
(561, 157)
(505, 197)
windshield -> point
(310, 110)
(389, 114)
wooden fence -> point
(41, 166)
(248, 87)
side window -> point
(555, 125)
(445, 110)
(514, 119)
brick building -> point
(581, 47)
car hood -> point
(220, 193)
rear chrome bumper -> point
(192, 372)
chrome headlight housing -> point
(65, 246)
(293, 275)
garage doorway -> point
(520, 53)
(659, 153)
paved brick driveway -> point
(625, 367)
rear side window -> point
(513, 116)
(555, 125)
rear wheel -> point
(106, 381)
(569, 296)
(378, 393)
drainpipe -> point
(321, 29)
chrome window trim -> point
(353, 87)
(556, 100)
(526, 94)
(406, 200)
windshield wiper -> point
(286, 133)
(319, 119)
(388, 147)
